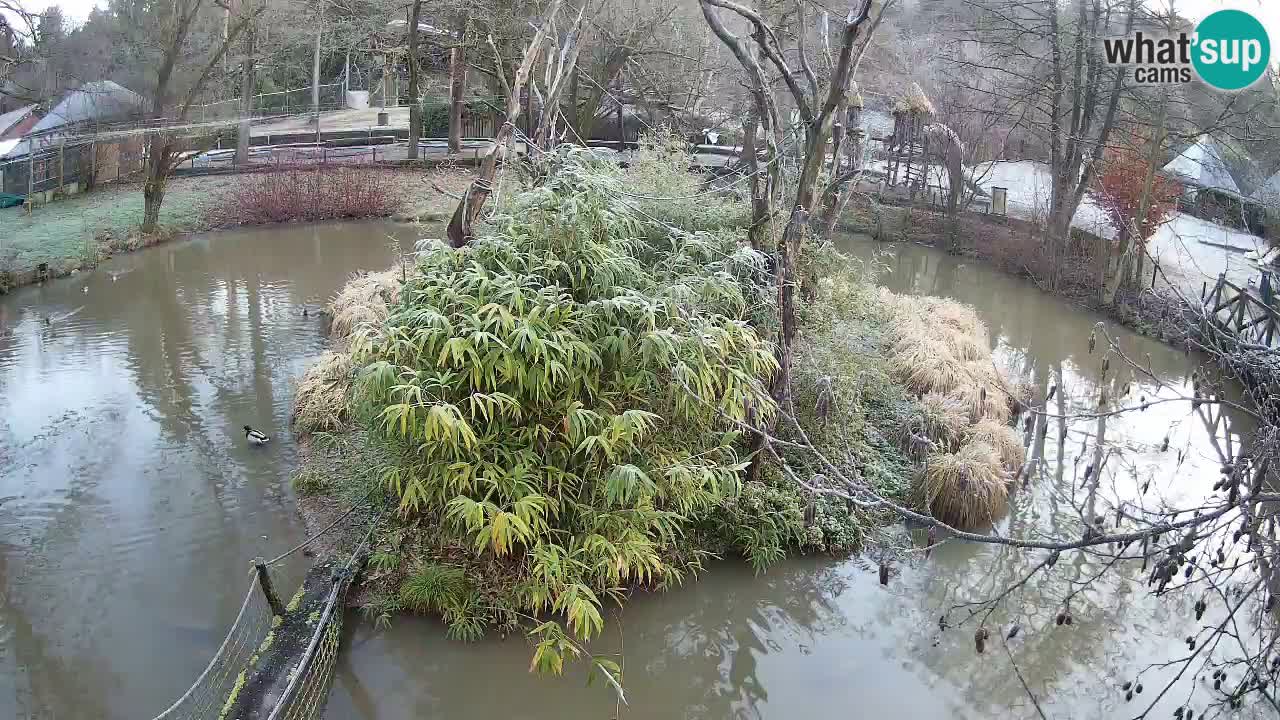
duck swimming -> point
(254, 437)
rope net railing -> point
(218, 685)
(208, 694)
(304, 697)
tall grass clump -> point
(320, 403)
(363, 303)
(967, 488)
(559, 395)
(960, 428)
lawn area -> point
(68, 232)
(78, 231)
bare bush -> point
(309, 194)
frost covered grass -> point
(77, 231)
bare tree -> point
(464, 216)
(415, 71)
(1048, 64)
(457, 81)
(186, 64)
(816, 108)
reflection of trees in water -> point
(46, 682)
(1088, 467)
(148, 341)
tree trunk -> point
(457, 85)
(153, 188)
(468, 209)
(851, 149)
(758, 234)
(247, 84)
(315, 70)
(415, 104)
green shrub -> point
(556, 393)
(435, 118)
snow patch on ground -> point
(1192, 251)
(1030, 188)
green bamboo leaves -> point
(557, 395)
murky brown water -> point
(129, 502)
(818, 638)
(129, 507)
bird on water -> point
(254, 437)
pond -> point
(130, 504)
(130, 507)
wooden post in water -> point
(264, 582)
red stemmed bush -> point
(309, 194)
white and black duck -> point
(254, 437)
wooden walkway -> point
(1248, 314)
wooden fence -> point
(1249, 314)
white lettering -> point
(1252, 54)
(1209, 50)
(1229, 51)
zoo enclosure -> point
(71, 167)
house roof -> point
(101, 100)
(13, 117)
(1201, 165)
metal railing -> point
(282, 102)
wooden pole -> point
(622, 130)
(269, 590)
(62, 166)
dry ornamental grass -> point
(940, 350)
(967, 488)
(321, 401)
(364, 301)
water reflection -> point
(129, 504)
(821, 638)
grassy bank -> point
(76, 233)
(71, 233)
(552, 417)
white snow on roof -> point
(13, 117)
(1202, 165)
(103, 100)
(7, 145)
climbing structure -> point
(909, 144)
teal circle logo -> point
(1232, 50)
